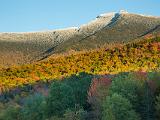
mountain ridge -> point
(106, 29)
(76, 27)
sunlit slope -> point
(125, 28)
(143, 56)
(28, 47)
(106, 29)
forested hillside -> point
(116, 83)
(143, 55)
(122, 96)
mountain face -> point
(106, 29)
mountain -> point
(114, 71)
(106, 30)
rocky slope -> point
(106, 29)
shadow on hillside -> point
(42, 86)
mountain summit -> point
(107, 29)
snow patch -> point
(106, 14)
(148, 16)
(100, 22)
(123, 12)
(69, 28)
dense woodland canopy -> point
(123, 96)
(119, 83)
(143, 55)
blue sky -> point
(38, 15)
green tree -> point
(60, 98)
(80, 85)
(11, 112)
(126, 85)
(157, 107)
(34, 108)
(147, 103)
(67, 94)
(117, 107)
(77, 114)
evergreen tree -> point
(127, 86)
(34, 108)
(157, 106)
(116, 107)
(11, 112)
(80, 85)
(147, 105)
(60, 98)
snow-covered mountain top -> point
(143, 15)
(149, 16)
(99, 22)
(106, 14)
(62, 29)
(69, 28)
(112, 13)
(123, 12)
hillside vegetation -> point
(123, 96)
(143, 55)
